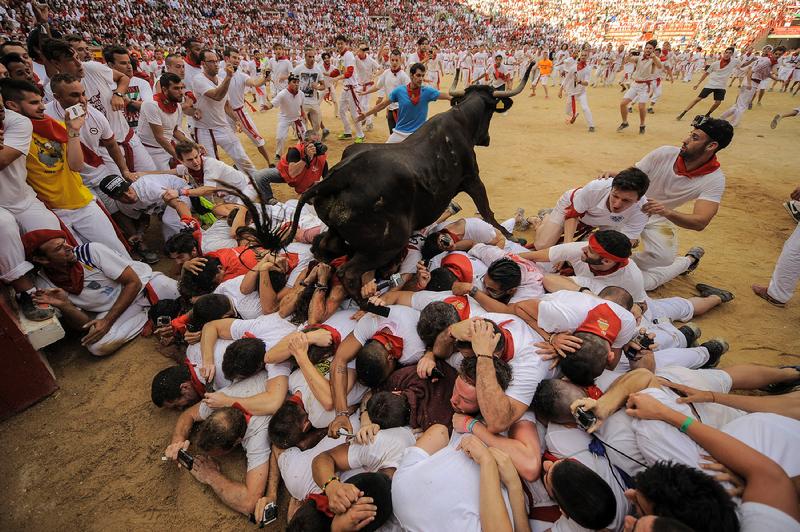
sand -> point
(88, 457)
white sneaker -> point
(793, 208)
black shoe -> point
(145, 255)
(622, 126)
(680, 116)
(783, 387)
(650, 111)
(696, 253)
(521, 241)
(708, 290)
(641, 130)
(31, 311)
(271, 202)
(691, 332)
(716, 348)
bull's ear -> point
(503, 105)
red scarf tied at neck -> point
(164, 104)
(413, 94)
(188, 61)
(707, 168)
(392, 343)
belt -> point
(648, 81)
(756, 80)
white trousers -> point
(787, 269)
(349, 103)
(91, 224)
(397, 136)
(160, 157)
(571, 107)
(735, 113)
(132, 320)
(225, 138)
(142, 161)
(12, 225)
(249, 128)
(282, 132)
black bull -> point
(378, 194)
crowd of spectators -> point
(454, 24)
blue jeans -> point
(264, 178)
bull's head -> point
(495, 101)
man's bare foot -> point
(761, 291)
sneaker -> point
(708, 290)
(31, 310)
(344, 136)
(369, 127)
(680, 116)
(716, 348)
(696, 253)
(271, 202)
(775, 121)
(641, 130)
(325, 133)
(591, 129)
(749, 106)
(573, 118)
(630, 109)
(691, 332)
(543, 212)
(146, 256)
(783, 387)
(761, 291)
(622, 126)
(453, 207)
(359, 140)
(650, 111)
(793, 209)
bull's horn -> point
(518, 89)
(453, 92)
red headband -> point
(595, 246)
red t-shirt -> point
(235, 261)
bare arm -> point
(221, 91)
(265, 403)
(346, 352)
(521, 445)
(242, 497)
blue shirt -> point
(410, 117)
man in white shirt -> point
(139, 89)
(349, 101)
(602, 203)
(201, 169)
(20, 211)
(678, 176)
(645, 67)
(576, 79)
(365, 67)
(212, 129)
(311, 83)
(160, 121)
(717, 73)
(281, 68)
(289, 102)
(240, 82)
(390, 79)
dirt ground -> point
(88, 457)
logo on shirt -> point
(49, 152)
(617, 219)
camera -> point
(585, 418)
(163, 321)
(635, 52)
(269, 515)
(644, 341)
(185, 459)
(321, 148)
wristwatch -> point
(473, 291)
(118, 94)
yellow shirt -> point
(545, 67)
(52, 179)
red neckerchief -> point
(240, 408)
(461, 304)
(293, 92)
(50, 129)
(296, 399)
(498, 74)
(197, 384)
(581, 65)
(292, 259)
(392, 343)
(723, 63)
(362, 58)
(593, 392)
(189, 61)
(281, 58)
(422, 56)
(600, 273)
(336, 337)
(707, 168)
(508, 348)
(321, 502)
(413, 94)
(164, 104)
(395, 71)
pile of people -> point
(489, 385)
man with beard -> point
(160, 121)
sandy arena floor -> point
(88, 457)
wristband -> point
(184, 192)
(118, 94)
(686, 424)
(473, 291)
(344, 413)
(472, 425)
(334, 477)
(467, 420)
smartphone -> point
(74, 111)
(269, 515)
(343, 432)
(436, 373)
(163, 321)
(185, 459)
(585, 418)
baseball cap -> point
(293, 77)
(114, 185)
(718, 130)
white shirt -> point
(591, 202)
(256, 441)
(237, 88)
(390, 81)
(217, 173)
(438, 492)
(718, 76)
(628, 277)
(475, 229)
(151, 113)
(402, 322)
(218, 236)
(281, 68)
(149, 188)
(290, 106)
(98, 82)
(309, 77)
(16, 192)
(347, 60)
(757, 517)
(673, 190)
(270, 329)
(423, 298)
(574, 78)
(213, 112)
(194, 354)
(530, 286)
(247, 305)
(565, 311)
(386, 451)
(318, 416)
(366, 69)
(101, 267)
